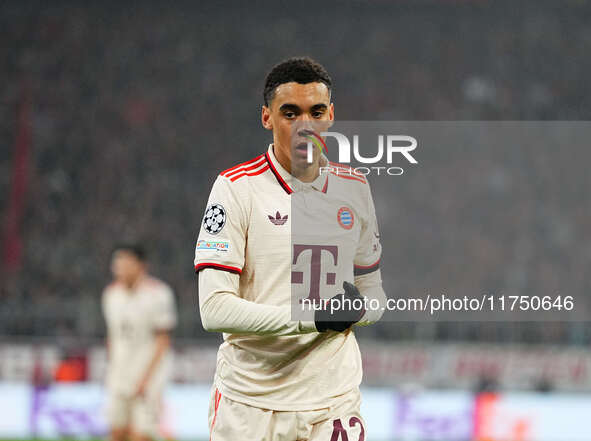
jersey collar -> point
(287, 181)
(282, 176)
(321, 182)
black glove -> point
(342, 318)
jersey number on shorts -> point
(340, 434)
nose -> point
(305, 123)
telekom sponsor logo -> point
(297, 277)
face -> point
(126, 267)
(298, 110)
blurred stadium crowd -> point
(134, 110)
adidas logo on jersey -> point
(278, 220)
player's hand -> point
(343, 314)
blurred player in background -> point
(140, 314)
(277, 378)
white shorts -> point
(231, 421)
(140, 415)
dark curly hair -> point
(133, 248)
(301, 70)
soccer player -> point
(279, 377)
(140, 313)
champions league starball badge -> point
(214, 219)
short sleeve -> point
(369, 249)
(222, 235)
(165, 317)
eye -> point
(317, 114)
(289, 115)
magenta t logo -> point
(297, 277)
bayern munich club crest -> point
(346, 218)
(214, 219)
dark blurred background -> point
(116, 117)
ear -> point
(331, 114)
(266, 118)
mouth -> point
(301, 150)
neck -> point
(308, 174)
(305, 174)
(282, 159)
(133, 283)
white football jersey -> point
(132, 320)
(288, 240)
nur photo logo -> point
(389, 149)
